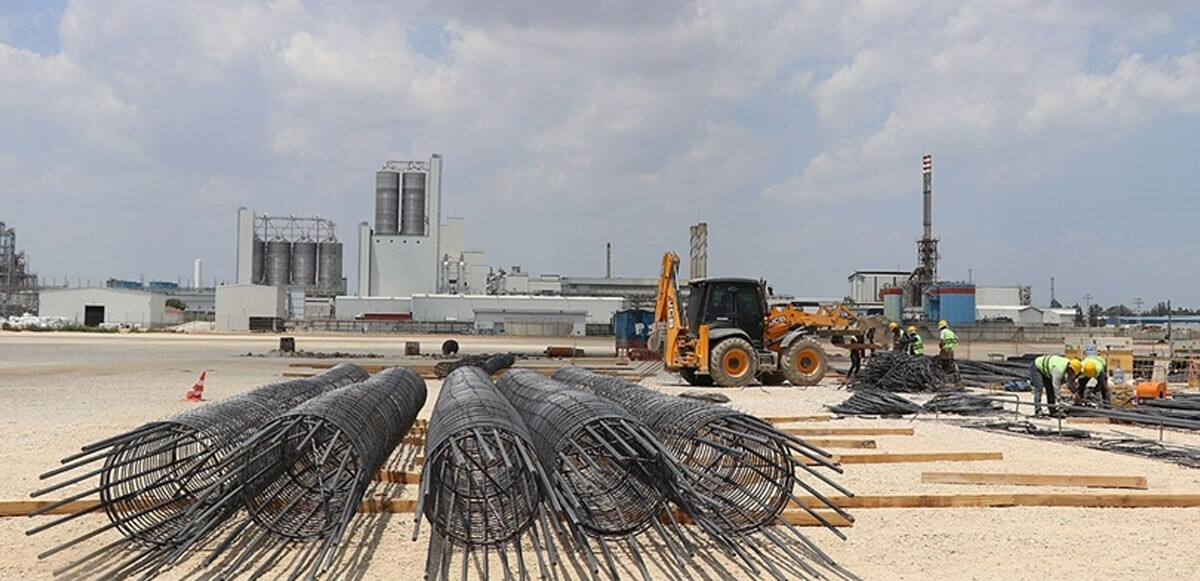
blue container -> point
(632, 328)
(956, 303)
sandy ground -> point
(59, 391)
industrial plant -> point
(18, 286)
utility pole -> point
(1137, 303)
(1087, 310)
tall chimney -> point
(927, 171)
(197, 278)
(608, 260)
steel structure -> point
(611, 477)
(481, 485)
(154, 480)
(745, 467)
(17, 286)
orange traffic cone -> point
(197, 392)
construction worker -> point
(912, 342)
(1095, 367)
(946, 344)
(897, 337)
(855, 358)
(1048, 372)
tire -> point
(449, 347)
(804, 362)
(693, 378)
(733, 363)
(771, 378)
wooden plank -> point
(23, 507)
(1088, 421)
(1073, 500)
(848, 431)
(388, 505)
(793, 419)
(840, 443)
(834, 459)
(898, 458)
(1087, 481)
(398, 476)
(797, 517)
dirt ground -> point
(59, 391)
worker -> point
(855, 357)
(1049, 372)
(1095, 367)
(913, 343)
(946, 344)
(896, 335)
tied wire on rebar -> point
(611, 477)
(302, 477)
(481, 485)
(745, 467)
(150, 477)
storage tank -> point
(304, 262)
(956, 302)
(258, 248)
(387, 202)
(893, 303)
(278, 262)
(329, 265)
(412, 210)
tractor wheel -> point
(771, 378)
(804, 362)
(733, 363)
(693, 378)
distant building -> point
(866, 284)
(250, 307)
(94, 307)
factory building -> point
(866, 285)
(250, 307)
(516, 314)
(95, 307)
(401, 256)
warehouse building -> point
(94, 307)
(251, 307)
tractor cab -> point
(728, 303)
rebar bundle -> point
(611, 478)
(151, 476)
(962, 404)
(745, 467)
(873, 401)
(481, 486)
(302, 477)
(491, 363)
(899, 372)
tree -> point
(1118, 311)
(1095, 315)
(178, 304)
(1159, 310)
(1079, 320)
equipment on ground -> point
(730, 336)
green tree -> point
(177, 303)
(1095, 316)
(1079, 320)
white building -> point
(108, 306)
(245, 307)
(1020, 315)
(866, 284)
(465, 307)
(1015, 295)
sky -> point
(1063, 133)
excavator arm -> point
(670, 321)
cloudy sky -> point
(1064, 133)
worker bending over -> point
(947, 341)
(1049, 372)
(912, 342)
(897, 336)
(1095, 367)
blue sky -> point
(1063, 133)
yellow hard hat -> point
(942, 324)
(1089, 368)
(893, 326)
(912, 329)
(1075, 365)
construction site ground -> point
(59, 391)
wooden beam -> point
(1134, 482)
(23, 507)
(840, 443)
(792, 419)
(398, 476)
(848, 431)
(1086, 420)
(900, 458)
(1076, 500)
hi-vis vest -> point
(949, 339)
(1100, 364)
(1048, 364)
(917, 346)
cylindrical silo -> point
(893, 303)
(412, 210)
(258, 249)
(278, 262)
(329, 264)
(387, 202)
(304, 262)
